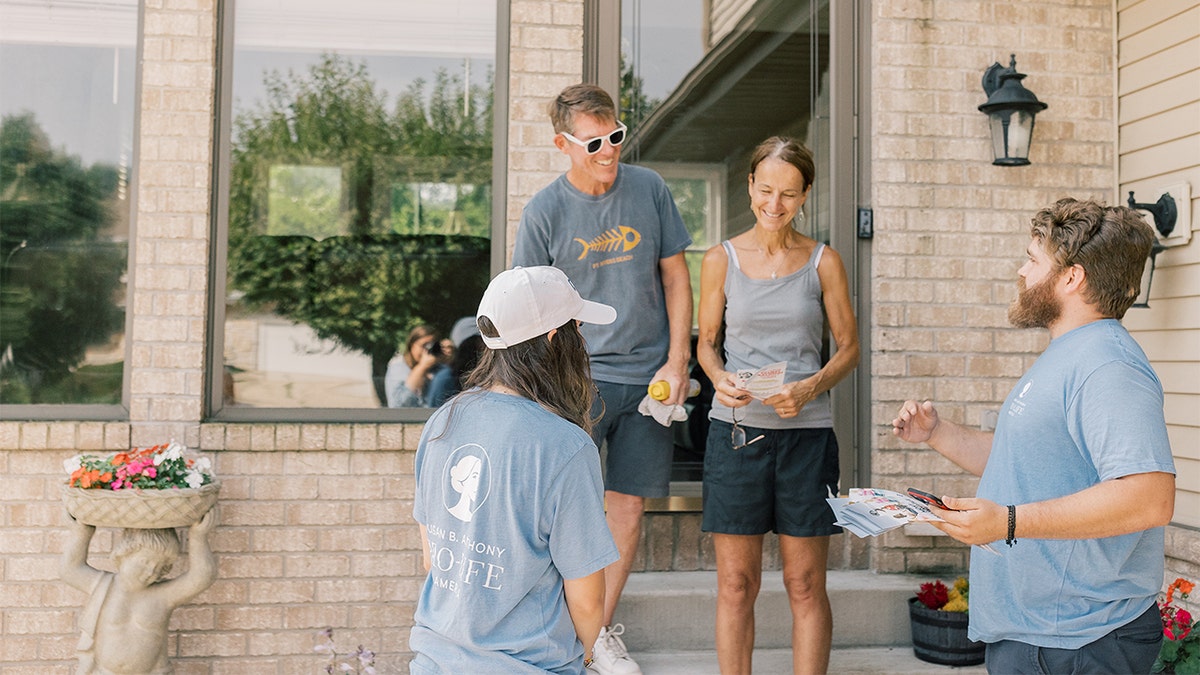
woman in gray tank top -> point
(770, 463)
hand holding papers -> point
(764, 382)
(868, 512)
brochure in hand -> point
(764, 382)
(868, 512)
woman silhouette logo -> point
(467, 484)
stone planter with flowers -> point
(151, 488)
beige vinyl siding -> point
(725, 15)
(1158, 103)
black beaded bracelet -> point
(1012, 525)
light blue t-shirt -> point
(511, 498)
(1089, 410)
(610, 246)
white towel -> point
(662, 413)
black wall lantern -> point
(1164, 213)
(1010, 109)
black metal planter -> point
(941, 637)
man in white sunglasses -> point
(615, 231)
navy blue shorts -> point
(639, 449)
(1131, 648)
(777, 484)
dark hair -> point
(424, 330)
(554, 373)
(466, 357)
(789, 150)
(586, 99)
(1110, 243)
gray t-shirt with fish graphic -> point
(610, 246)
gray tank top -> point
(770, 320)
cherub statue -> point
(123, 626)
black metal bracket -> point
(1163, 211)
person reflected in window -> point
(410, 372)
(770, 463)
(467, 348)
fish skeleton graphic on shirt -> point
(618, 238)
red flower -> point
(934, 595)
(1179, 625)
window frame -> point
(214, 404)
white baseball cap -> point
(526, 302)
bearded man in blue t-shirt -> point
(1078, 478)
(615, 230)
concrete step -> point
(676, 611)
(842, 661)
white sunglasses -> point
(593, 145)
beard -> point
(1035, 307)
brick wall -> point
(169, 264)
(314, 531)
(546, 55)
(951, 228)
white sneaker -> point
(609, 656)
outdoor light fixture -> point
(1010, 108)
(1164, 214)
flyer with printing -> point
(867, 512)
(764, 382)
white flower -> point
(173, 451)
(203, 465)
(194, 479)
(74, 464)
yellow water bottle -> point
(661, 390)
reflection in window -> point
(704, 82)
(305, 200)
(359, 198)
(66, 139)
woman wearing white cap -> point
(509, 496)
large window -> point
(67, 89)
(359, 199)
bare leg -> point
(624, 516)
(739, 576)
(804, 563)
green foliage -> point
(60, 280)
(393, 265)
(635, 105)
(361, 290)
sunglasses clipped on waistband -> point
(593, 145)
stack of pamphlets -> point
(868, 512)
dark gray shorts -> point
(777, 484)
(639, 449)
(1132, 648)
